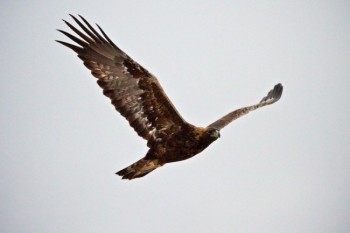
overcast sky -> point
(284, 168)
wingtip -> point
(273, 96)
(59, 41)
(73, 17)
(82, 17)
(279, 88)
(277, 91)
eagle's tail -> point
(139, 169)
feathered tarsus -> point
(137, 95)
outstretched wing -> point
(134, 92)
(273, 96)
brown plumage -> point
(137, 95)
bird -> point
(138, 96)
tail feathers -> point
(139, 169)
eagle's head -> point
(208, 136)
(213, 133)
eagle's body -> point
(180, 145)
(137, 95)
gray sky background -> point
(284, 168)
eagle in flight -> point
(138, 96)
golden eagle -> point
(137, 95)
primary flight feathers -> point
(137, 95)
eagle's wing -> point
(273, 96)
(134, 92)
